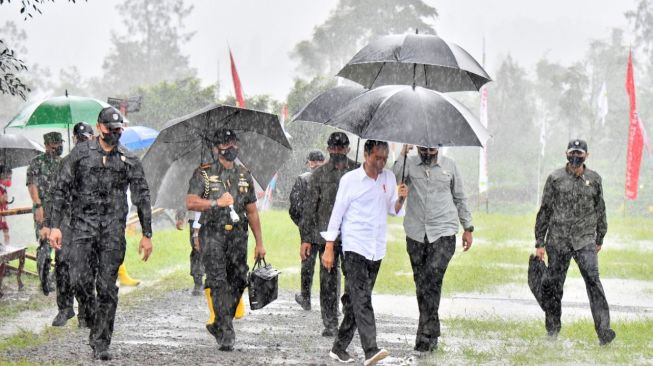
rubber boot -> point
(124, 279)
(209, 300)
(240, 310)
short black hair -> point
(371, 144)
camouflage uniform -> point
(97, 181)
(224, 243)
(570, 223)
(42, 172)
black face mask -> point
(111, 138)
(427, 158)
(338, 158)
(575, 161)
(58, 150)
(229, 154)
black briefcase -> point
(263, 285)
(537, 275)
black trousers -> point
(196, 266)
(96, 256)
(62, 260)
(224, 254)
(329, 283)
(429, 262)
(552, 288)
(360, 276)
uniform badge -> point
(243, 186)
(214, 179)
(587, 182)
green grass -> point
(499, 341)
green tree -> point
(150, 50)
(168, 100)
(352, 24)
(514, 148)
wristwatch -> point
(37, 205)
(147, 235)
(214, 203)
(470, 229)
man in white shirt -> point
(365, 196)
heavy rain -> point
(391, 182)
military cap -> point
(315, 155)
(83, 129)
(110, 117)
(52, 138)
(224, 135)
(338, 139)
(577, 145)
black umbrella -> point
(326, 104)
(415, 59)
(17, 150)
(537, 274)
(417, 116)
(186, 142)
(43, 262)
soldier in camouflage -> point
(97, 175)
(571, 223)
(224, 193)
(40, 175)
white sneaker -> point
(381, 354)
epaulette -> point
(125, 151)
(205, 166)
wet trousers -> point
(96, 257)
(559, 257)
(360, 276)
(62, 260)
(224, 254)
(329, 283)
(429, 262)
(196, 266)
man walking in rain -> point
(97, 175)
(82, 131)
(436, 206)
(571, 223)
(316, 213)
(298, 195)
(364, 199)
(224, 193)
(40, 175)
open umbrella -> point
(326, 104)
(58, 112)
(415, 59)
(408, 115)
(186, 142)
(17, 150)
(138, 137)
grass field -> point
(498, 257)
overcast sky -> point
(262, 33)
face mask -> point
(6, 182)
(58, 150)
(111, 138)
(338, 158)
(575, 161)
(427, 158)
(229, 154)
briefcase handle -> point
(257, 263)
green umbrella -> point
(58, 112)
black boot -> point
(62, 317)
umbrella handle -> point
(357, 148)
(12, 200)
(403, 169)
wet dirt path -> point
(169, 330)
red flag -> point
(240, 101)
(635, 138)
(284, 113)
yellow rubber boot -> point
(209, 301)
(124, 279)
(240, 309)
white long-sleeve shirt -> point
(360, 212)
